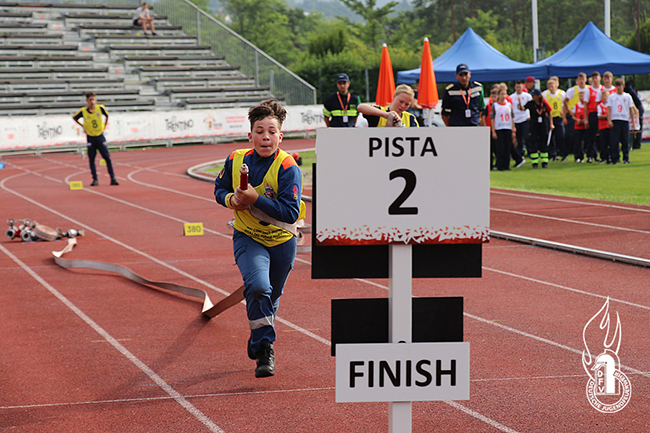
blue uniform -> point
(264, 253)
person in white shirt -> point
(519, 100)
(142, 17)
(620, 109)
(608, 79)
(503, 131)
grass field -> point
(620, 183)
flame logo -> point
(605, 323)
(605, 376)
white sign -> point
(403, 185)
(402, 372)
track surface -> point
(87, 351)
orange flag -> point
(428, 93)
(386, 84)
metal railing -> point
(252, 61)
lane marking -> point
(563, 200)
(200, 416)
(570, 221)
(570, 289)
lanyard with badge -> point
(468, 112)
(345, 109)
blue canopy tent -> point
(486, 63)
(591, 50)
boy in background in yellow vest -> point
(555, 98)
(267, 210)
(93, 115)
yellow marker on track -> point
(193, 229)
(76, 184)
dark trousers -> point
(98, 144)
(537, 143)
(569, 132)
(579, 136)
(557, 139)
(521, 135)
(636, 144)
(620, 133)
(592, 132)
(605, 154)
(505, 148)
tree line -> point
(318, 48)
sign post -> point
(402, 187)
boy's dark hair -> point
(89, 94)
(519, 82)
(268, 108)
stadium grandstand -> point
(52, 53)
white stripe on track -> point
(569, 221)
(483, 418)
(200, 416)
(565, 200)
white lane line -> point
(148, 399)
(569, 221)
(489, 421)
(564, 200)
(119, 347)
(570, 289)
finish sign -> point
(380, 186)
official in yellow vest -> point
(265, 227)
(93, 124)
(393, 115)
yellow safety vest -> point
(556, 103)
(406, 118)
(93, 122)
(576, 97)
(267, 234)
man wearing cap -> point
(530, 84)
(463, 102)
(341, 107)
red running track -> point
(88, 351)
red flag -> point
(428, 90)
(386, 84)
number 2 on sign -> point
(193, 229)
(396, 207)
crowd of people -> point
(596, 122)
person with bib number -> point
(267, 210)
(93, 115)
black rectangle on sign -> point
(371, 261)
(434, 320)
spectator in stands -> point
(94, 125)
(340, 108)
(142, 18)
(266, 214)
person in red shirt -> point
(579, 114)
(603, 128)
(594, 99)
